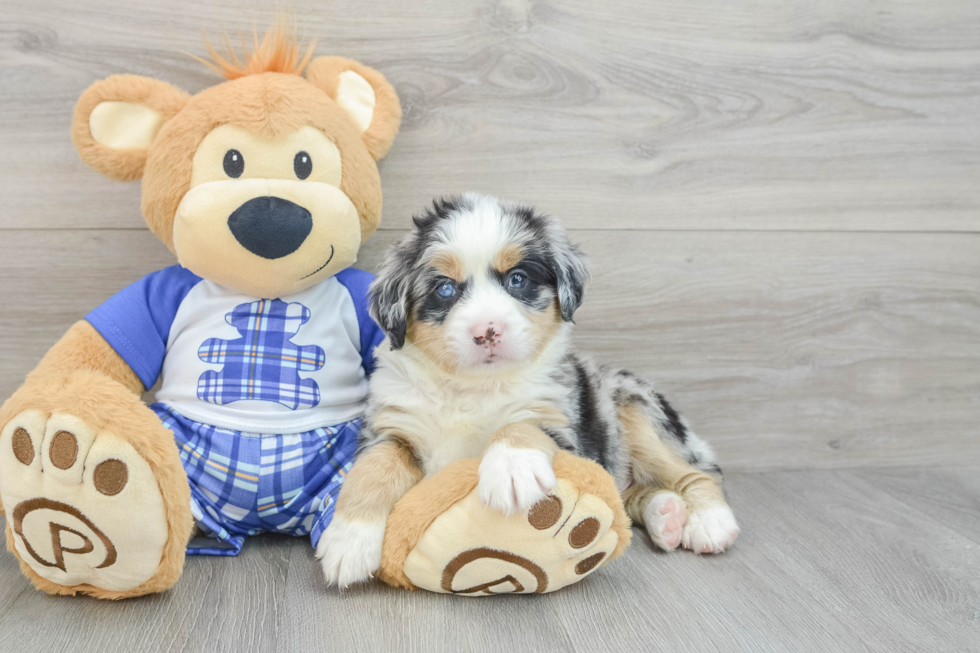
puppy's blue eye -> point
(517, 281)
(446, 290)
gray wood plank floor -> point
(830, 560)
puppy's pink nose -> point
(487, 333)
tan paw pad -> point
(474, 550)
(83, 506)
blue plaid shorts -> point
(245, 483)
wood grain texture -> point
(668, 131)
(214, 607)
(739, 173)
(828, 561)
(631, 114)
(785, 350)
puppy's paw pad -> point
(71, 494)
(513, 480)
(350, 552)
(711, 530)
(665, 518)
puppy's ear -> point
(389, 292)
(571, 271)
(116, 120)
(365, 94)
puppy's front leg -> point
(516, 471)
(350, 548)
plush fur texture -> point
(421, 506)
(155, 131)
(82, 348)
(416, 511)
(478, 303)
(104, 404)
(277, 53)
(121, 165)
(268, 104)
(324, 72)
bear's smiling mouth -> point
(322, 266)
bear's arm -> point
(83, 348)
(126, 337)
(135, 322)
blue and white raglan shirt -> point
(263, 396)
(283, 365)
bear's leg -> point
(678, 503)
(96, 499)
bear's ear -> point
(117, 118)
(365, 94)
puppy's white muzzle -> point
(488, 328)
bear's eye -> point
(234, 164)
(302, 165)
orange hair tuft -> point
(278, 52)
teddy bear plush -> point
(264, 187)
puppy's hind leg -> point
(662, 511)
(680, 502)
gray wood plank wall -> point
(781, 200)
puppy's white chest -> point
(467, 421)
(449, 450)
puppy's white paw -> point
(513, 480)
(350, 552)
(665, 517)
(711, 530)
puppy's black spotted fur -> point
(478, 303)
(591, 395)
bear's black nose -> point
(270, 227)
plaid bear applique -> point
(263, 364)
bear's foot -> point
(85, 510)
(472, 549)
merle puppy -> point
(477, 303)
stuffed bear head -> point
(265, 183)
